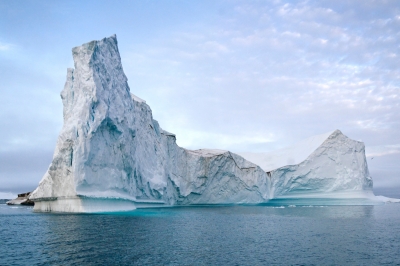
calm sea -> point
(226, 235)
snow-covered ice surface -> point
(111, 155)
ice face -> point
(111, 152)
(110, 147)
(325, 165)
(337, 165)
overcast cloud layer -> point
(237, 75)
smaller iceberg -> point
(22, 199)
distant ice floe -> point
(387, 200)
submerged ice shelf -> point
(112, 155)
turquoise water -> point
(224, 235)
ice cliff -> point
(112, 155)
(327, 165)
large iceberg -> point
(112, 155)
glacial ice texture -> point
(337, 167)
(112, 155)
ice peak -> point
(83, 54)
(97, 84)
(335, 133)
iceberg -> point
(111, 155)
(22, 199)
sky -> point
(244, 76)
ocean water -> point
(221, 235)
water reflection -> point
(207, 235)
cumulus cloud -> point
(308, 59)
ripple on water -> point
(240, 235)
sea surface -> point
(221, 235)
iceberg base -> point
(83, 205)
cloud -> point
(252, 77)
(290, 70)
(5, 46)
(21, 170)
(8, 195)
(192, 138)
(382, 150)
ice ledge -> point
(207, 152)
(86, 204)
(349, 194)
(137, 99)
